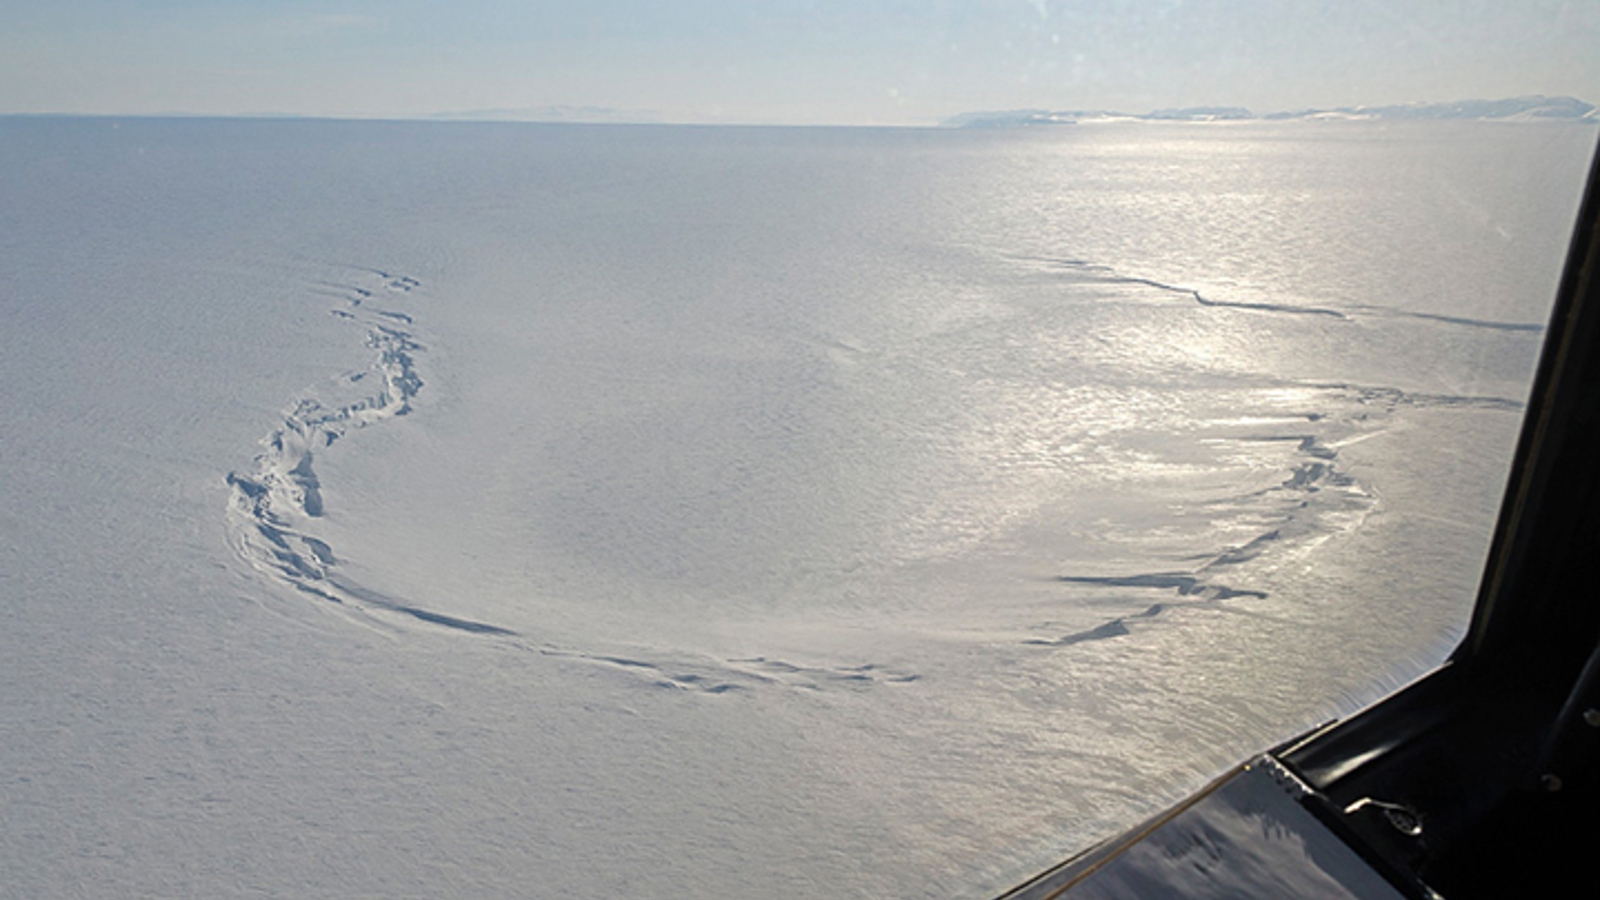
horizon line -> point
(1198, 114)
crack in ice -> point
(271, 506)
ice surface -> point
(500, 510)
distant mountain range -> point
(1535, 108)
(557, 113)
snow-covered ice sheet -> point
(494, 510)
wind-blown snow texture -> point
(423, 510)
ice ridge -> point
(273, 505)
(1107, 275)
(1313, 498)
(1083, 270)
(270, 506)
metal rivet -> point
(1591, 717)
(1551, 782)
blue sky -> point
(873, 61)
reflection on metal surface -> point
(1246, 836)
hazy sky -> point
(883, 61)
